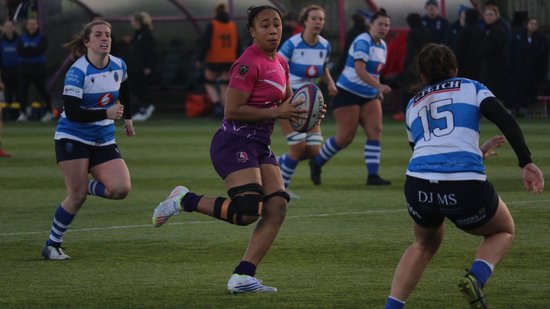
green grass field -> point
(337, 249)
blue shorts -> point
(346, 98)
(67, 149)
(468, 204)
(230, 153)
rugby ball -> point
(313, 103)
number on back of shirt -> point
(435, 120)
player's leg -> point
(75, 174)
(211, 85)
(111, 175)
(498, 234)
(273, 215)
(314, 141)
(371, 121)
(413, 262)
(297, 149)
(347, 121)
(235, 160)
(223, 82)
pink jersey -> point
(266, 81)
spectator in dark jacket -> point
(359, 26)
(469, 41)
(31, 48)
(434, 22)
(455, 28)
(529, 55)
(494, 56)
(417, 38)
(142, 60)
(9, 61)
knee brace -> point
(241, 203)
(314, 138)
(282, 194)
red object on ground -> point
(4, 154)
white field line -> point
(352, 213)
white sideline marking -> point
(121, 227)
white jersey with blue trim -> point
(443, 124)
(306, 62)
(374, 55)
(97, 89)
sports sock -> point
(288, 166)
(394, 303)
(481, 270)
(328, 150)
(60, 224)
(96, 188)
(372, 156)
(245, 268)
(190, 202)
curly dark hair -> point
(436, 62)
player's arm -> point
(361, 71)
(492, 109)
(237, 109)
(127, 114)
(74, 112)
(125, 100)
(327, 78)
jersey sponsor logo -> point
(442, 199)
(242, 156)
(451, 85)
(72, 91)
(312, 71)
(105, 99)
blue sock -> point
(288, 166)
(96, 188)
(393, 303)
(372, 156)
(60, 224)
(245, 268)
(328, 150)
(481, 270)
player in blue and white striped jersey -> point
(446, 177)
(308, 55)
(85, 134)
(359, 101)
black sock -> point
(245, 268)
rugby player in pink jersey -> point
(258, 94)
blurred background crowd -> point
(166, 44)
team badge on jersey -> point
(243, 69)
(116, 76)
(242, 156)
